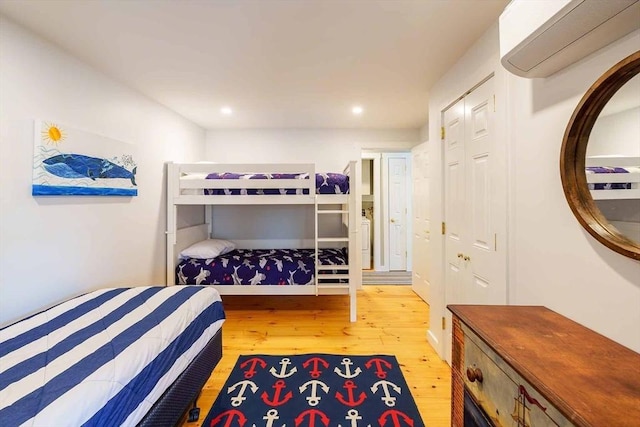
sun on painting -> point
(86, 164)
(52, 134)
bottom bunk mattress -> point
(103, 358)
(260, 267)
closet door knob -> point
(460, 255)
(466, 258)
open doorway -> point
(386, 213)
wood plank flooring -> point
(392, 319)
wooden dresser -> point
(530, 366)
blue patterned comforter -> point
(608, 185)
(326, 183)
(259, 267)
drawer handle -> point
(474, 374)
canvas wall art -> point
(73, 162)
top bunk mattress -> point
(103, 358)
(633, 174)
(326, 183)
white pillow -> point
(194, 176)
(206, 249)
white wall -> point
(616, 134)
(555, 262)
(552, 260)
(52, 248)
(330, 150)
(480, 62)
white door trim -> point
(376, 229)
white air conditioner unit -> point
(538, 38)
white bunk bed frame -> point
(190, 191)
(599, 178)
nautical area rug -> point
(314, 390)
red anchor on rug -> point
(395, 416)
(380, 372)
(312, 417)
(279, 386)
(230, 415)
(316, 361)
(350, 386)
(252, 369)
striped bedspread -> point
(104, 358)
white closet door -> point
(454, 206)
(421, 269)
(475, 271)
(480, 256)
(397, 213)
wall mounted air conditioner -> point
(538, 38)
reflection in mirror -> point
(603, 134)
(613, 160)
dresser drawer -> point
(501, 392)
(541, 365)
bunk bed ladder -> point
(325, 272)
(317, 260)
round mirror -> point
(600, 159)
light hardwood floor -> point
(391, 320)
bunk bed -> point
(330, 266)
(613, 177)
(115, 356)
(614, 184)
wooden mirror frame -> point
(574, 150)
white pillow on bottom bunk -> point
(207, 249)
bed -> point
(326, 264)
(116, 356)
(613, 177)
(261, 267)
(614, 184)
(326, 183)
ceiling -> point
(276, 63)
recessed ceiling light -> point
(227, 111)
(357, 110)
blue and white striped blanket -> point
(104, 358)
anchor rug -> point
(314, 390)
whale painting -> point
(73, 162)
(79, 166)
